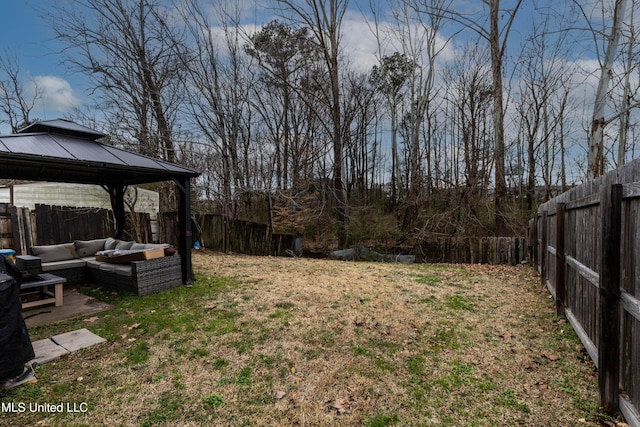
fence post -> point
(535, 241)
(609, 291)
(543, 250)
(560, 259)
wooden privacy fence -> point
(222, 234)
(21, 228)
(472, 250)
(218, 233)
(586, 245)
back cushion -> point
(110, 243)
(86, 248)
(124, 246)
(52, 253)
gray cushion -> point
(93, 263)
(123, 270)
(52, 253)
(137, 246)
(87, 248)
(63, 265)
(110, 243)
(124, 246)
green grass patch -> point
(428, 280)
(138, 354)
(214, 401)
(285, 305)
(381, 420)
(459, 302)
(509, 399)
(446, 336)
(168, 409)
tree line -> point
(467, 120)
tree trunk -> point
(596, 139)
(624, 118)
(498, 119)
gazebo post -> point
(184, 222)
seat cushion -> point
(63, 265)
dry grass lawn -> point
(263, 341)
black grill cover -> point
(15, 344)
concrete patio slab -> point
(46, 351)
(77, 340)
(75, 305)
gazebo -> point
(63, 151)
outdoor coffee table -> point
(43, 281)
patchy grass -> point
(268, 341)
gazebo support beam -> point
(184, 222)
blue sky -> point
(24, 31)
(26, 35)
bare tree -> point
(133, 57)
(496, 36)
(16, 101)
(324, 20)
(629, 93)
(598, 122)
(544, 88)
(218, 99)
(469, 92)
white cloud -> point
(56, 94)
(358, 43)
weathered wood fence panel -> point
(47, 225)
(58, 224)
(473, 250)
(218, 233)
(586, 245)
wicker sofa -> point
(77, 263)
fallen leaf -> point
(280, 394)
(542, 386)
(134, 326)
(340, 406)
(211, 306)
(91, 319)
(131, 339)
(551, 357)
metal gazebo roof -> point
(60, 150)
(64, 151)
